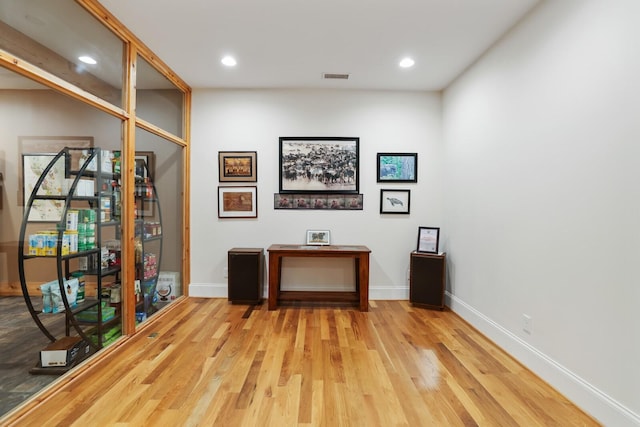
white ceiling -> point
(290, 43)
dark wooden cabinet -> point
(246, 275)
(427, 280)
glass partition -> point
(159, 226)
(158, 100)
(61, 229)
(62, 38)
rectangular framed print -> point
(238, 202)
(33, 166)
(395, 201)
(318, 237)
(319, 165)
(397, 167)
(428, 239)
(238, 166)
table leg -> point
(274, 280)
(363, 281)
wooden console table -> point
(360, 254)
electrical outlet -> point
(225, 272)
(527, 323)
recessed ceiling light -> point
(407, 62)
(229, 61)
(87, 60)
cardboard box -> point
(64, 352)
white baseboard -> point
(588, 397)
(208, 290)
(219, 290)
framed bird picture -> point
(395, 201)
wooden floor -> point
(210, 363)
(20, 345)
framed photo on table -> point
(238, 202)
(397, 167)
(319, 165)
(238, 166)
(318, 237)
(428, 240)
(395, 201)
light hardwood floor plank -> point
(213, 363)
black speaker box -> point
(427, 280)
(246, 275)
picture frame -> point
(145, 165)
(319, 165)
(237, 202)
(395, 201)
(237, 166)
(33, 166)
(318, 237)
(397, 167)
(45, 144)
(428, 240)
(318, 201)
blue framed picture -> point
(397, 167)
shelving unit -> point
(148, 232)
(92, 317)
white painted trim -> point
(208, 290)
(591, 399)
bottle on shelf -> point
(148, 188)
(117, 200)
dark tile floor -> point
(20, 343)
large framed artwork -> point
(319, 165)
(238, 166)
(397, 167)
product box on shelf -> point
(91, 315)
(106, 165)
(63, 352)
(168, 287)
(84, 187)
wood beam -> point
(41, 56)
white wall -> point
(542, 199)
(253, 120)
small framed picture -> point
(318, 237)
(238, 202)
(238, 166)
(395, 201)
(397, 167)
(428, 239)
(145, 165)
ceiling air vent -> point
(335, 76)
